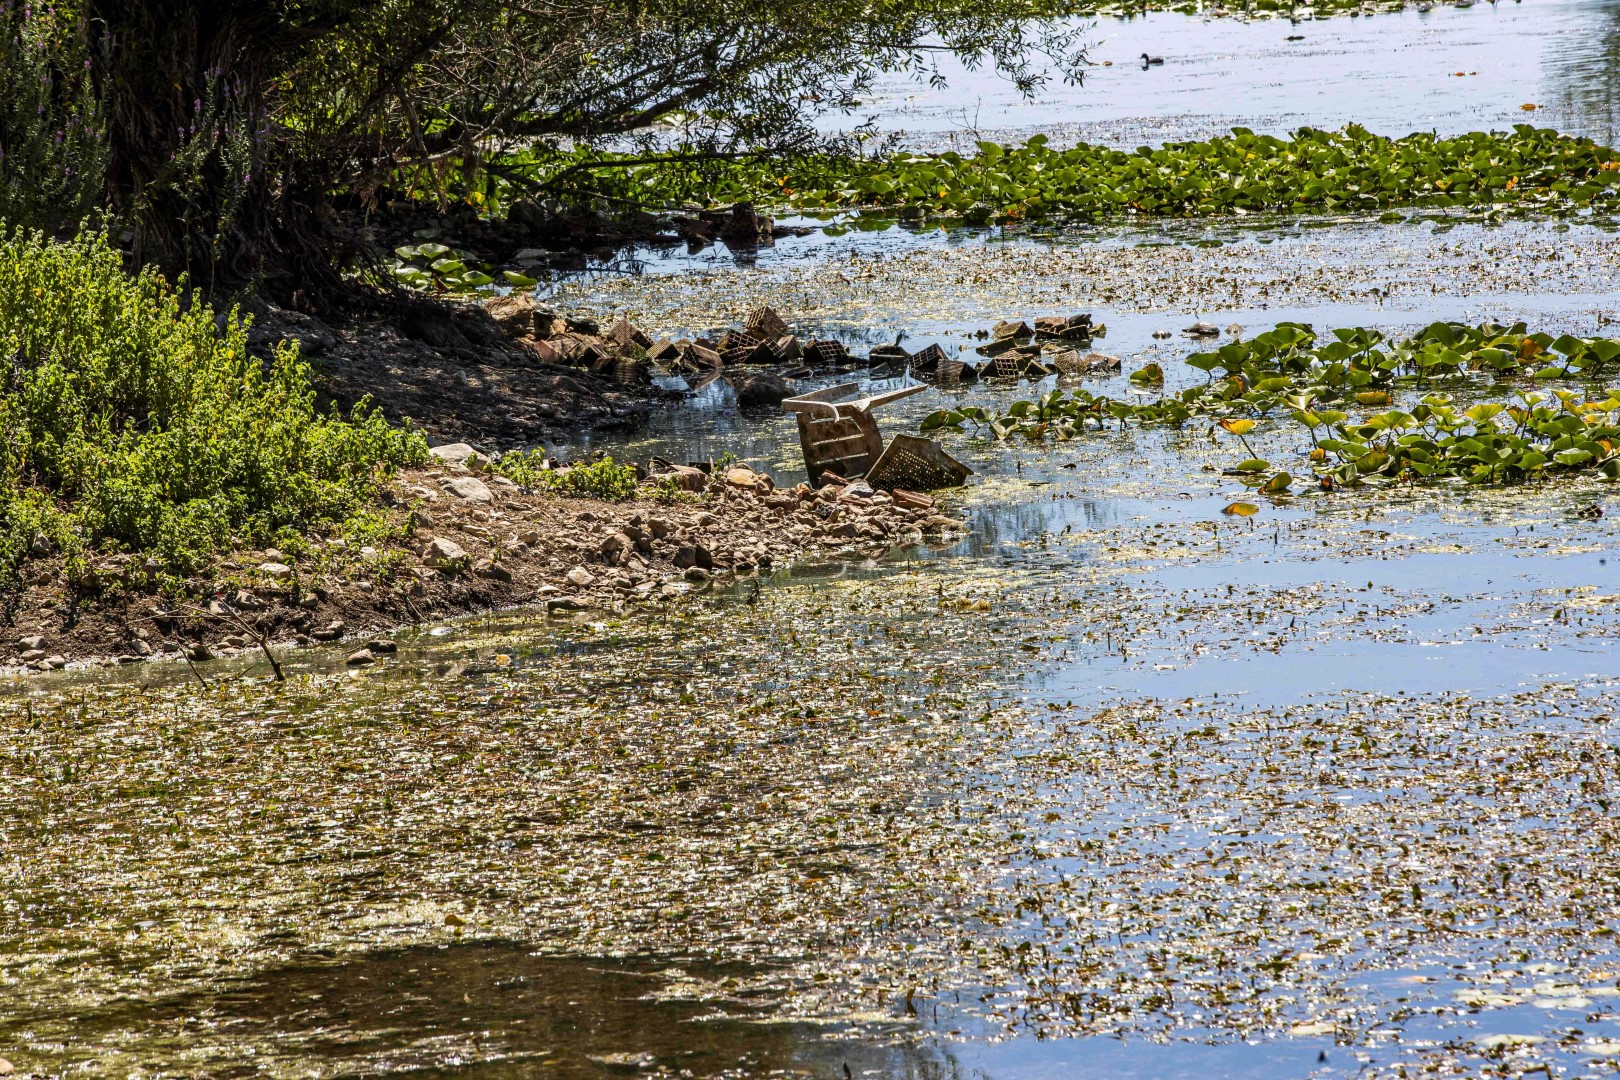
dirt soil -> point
(447, 368)
(468, 541)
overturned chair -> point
(839, 436)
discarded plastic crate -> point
(840, 436)
(916, 465)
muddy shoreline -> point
(467, 542)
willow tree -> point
(231, 123)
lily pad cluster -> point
(437, 267)
(1245, 172)
(1251, 9)
(1352, 170)
(1286, 371)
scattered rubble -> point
(465, 554)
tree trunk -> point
(197, 164)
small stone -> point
(199, 652)
(494, 571)
(581, 577)
(707, 520)
(692, 555)
(470, 488)
(140, 648)
(741, 476)
(659, 528)
(331, 631)
(54, 662)
(29, 656)
(442, 554)
(696, 575)
(360, 657)
(32, 641)
(382, 645)
(275, 570)
(563, 603)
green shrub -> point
(604, 479)
(52, 144)
(524, 467)
(132, 422)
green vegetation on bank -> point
(1245, 9)
(1316, 384)
(1328, 171)
(134, 422)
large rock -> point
(758, 388)
(458, 453)
(514, 315)
(441, 553)
(693, 555)
(470, 488)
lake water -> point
(1119, 784)
(1391, 73)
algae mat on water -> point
(962, 800)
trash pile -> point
(759, 357)
(1053, 346)
(841, 443)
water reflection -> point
(1392, 73)
(487, 1010)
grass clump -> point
(133, 422)
(603, 479)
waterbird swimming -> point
(1146, 59)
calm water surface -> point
(1321, 793)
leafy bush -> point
(605, 479)
(52, 145)
(132, 421)
(524, 467)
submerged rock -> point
(757, 388)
